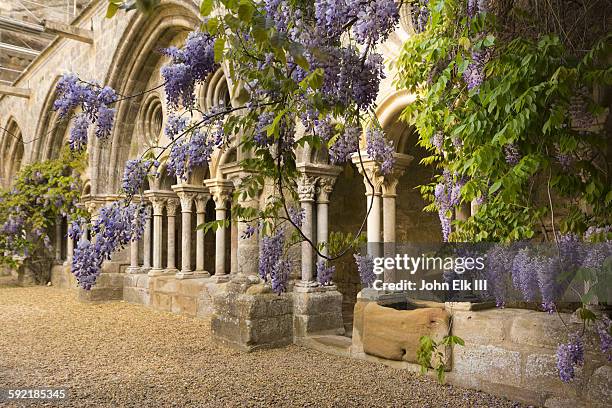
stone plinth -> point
(108, 287)
(317, 311)
(251, 317)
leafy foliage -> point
(430, 354)
(42, 193)
(513, 119)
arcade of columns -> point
(315, 186)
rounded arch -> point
(402, 134)
(215, 91)
(128, 76)
(11, 152)
(51, 129)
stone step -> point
(338, 345)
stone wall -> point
(508, 352)
(512, 352)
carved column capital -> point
(171, 206)
(306, 187)
(325, 186)
(200, 202)
(158, 204)
(186, 199)
(220, 195)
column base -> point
(133, 269)
(191, 274)
(160, 272)
(308, 286)
(219, 278)
(241, 278)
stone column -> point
(200, 201)
(325, 187)
(171, 206)
(306, 192)
(373, 196)
(186, 208)
(69, 251)
(146, 242)
(389, 193)
(234, 238)
(133, 268)
(247, 249)
(58, 239)
(220, 196)
(158, 212)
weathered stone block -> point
(161, 301)
(599, 390)
(394, 334)
(111, 280)
(539, 329)
(136, 295)
(484, 327)
(489, 363)
(274, 331)
(186, 305)
(324, 323)
(191, 287)
(165, 284)
(100, 294)
(313, 303)
(541, 374)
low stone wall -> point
(191, 297)
(511, 353)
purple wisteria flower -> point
(325, 273)
(474, 73)
(512, 153)
(438, 141)
(249, 231)
(380, 149)
(273, 266)
(524, 274)
(604, 329)
(365, 266)
(117, 225)
(420, 15)
(375, 20)
(78, 134)
(175, 126)
(190, 65)
(568, 356)
(134, 175)
(94, 102)
(447, 194)
(499, 258)
(296, 215)
(345, 145)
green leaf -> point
(112, 9)
(206, 7)
(245, 11)
(219, 49)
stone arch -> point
(402, 134)
(128, 76)
(215, 91)
(51, 129)
(12, 150)
(412, 224)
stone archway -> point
(130, 75)
(51, 130)
(11, 150)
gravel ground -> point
(119, 354)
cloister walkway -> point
(119, 354)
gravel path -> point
(119, 354)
